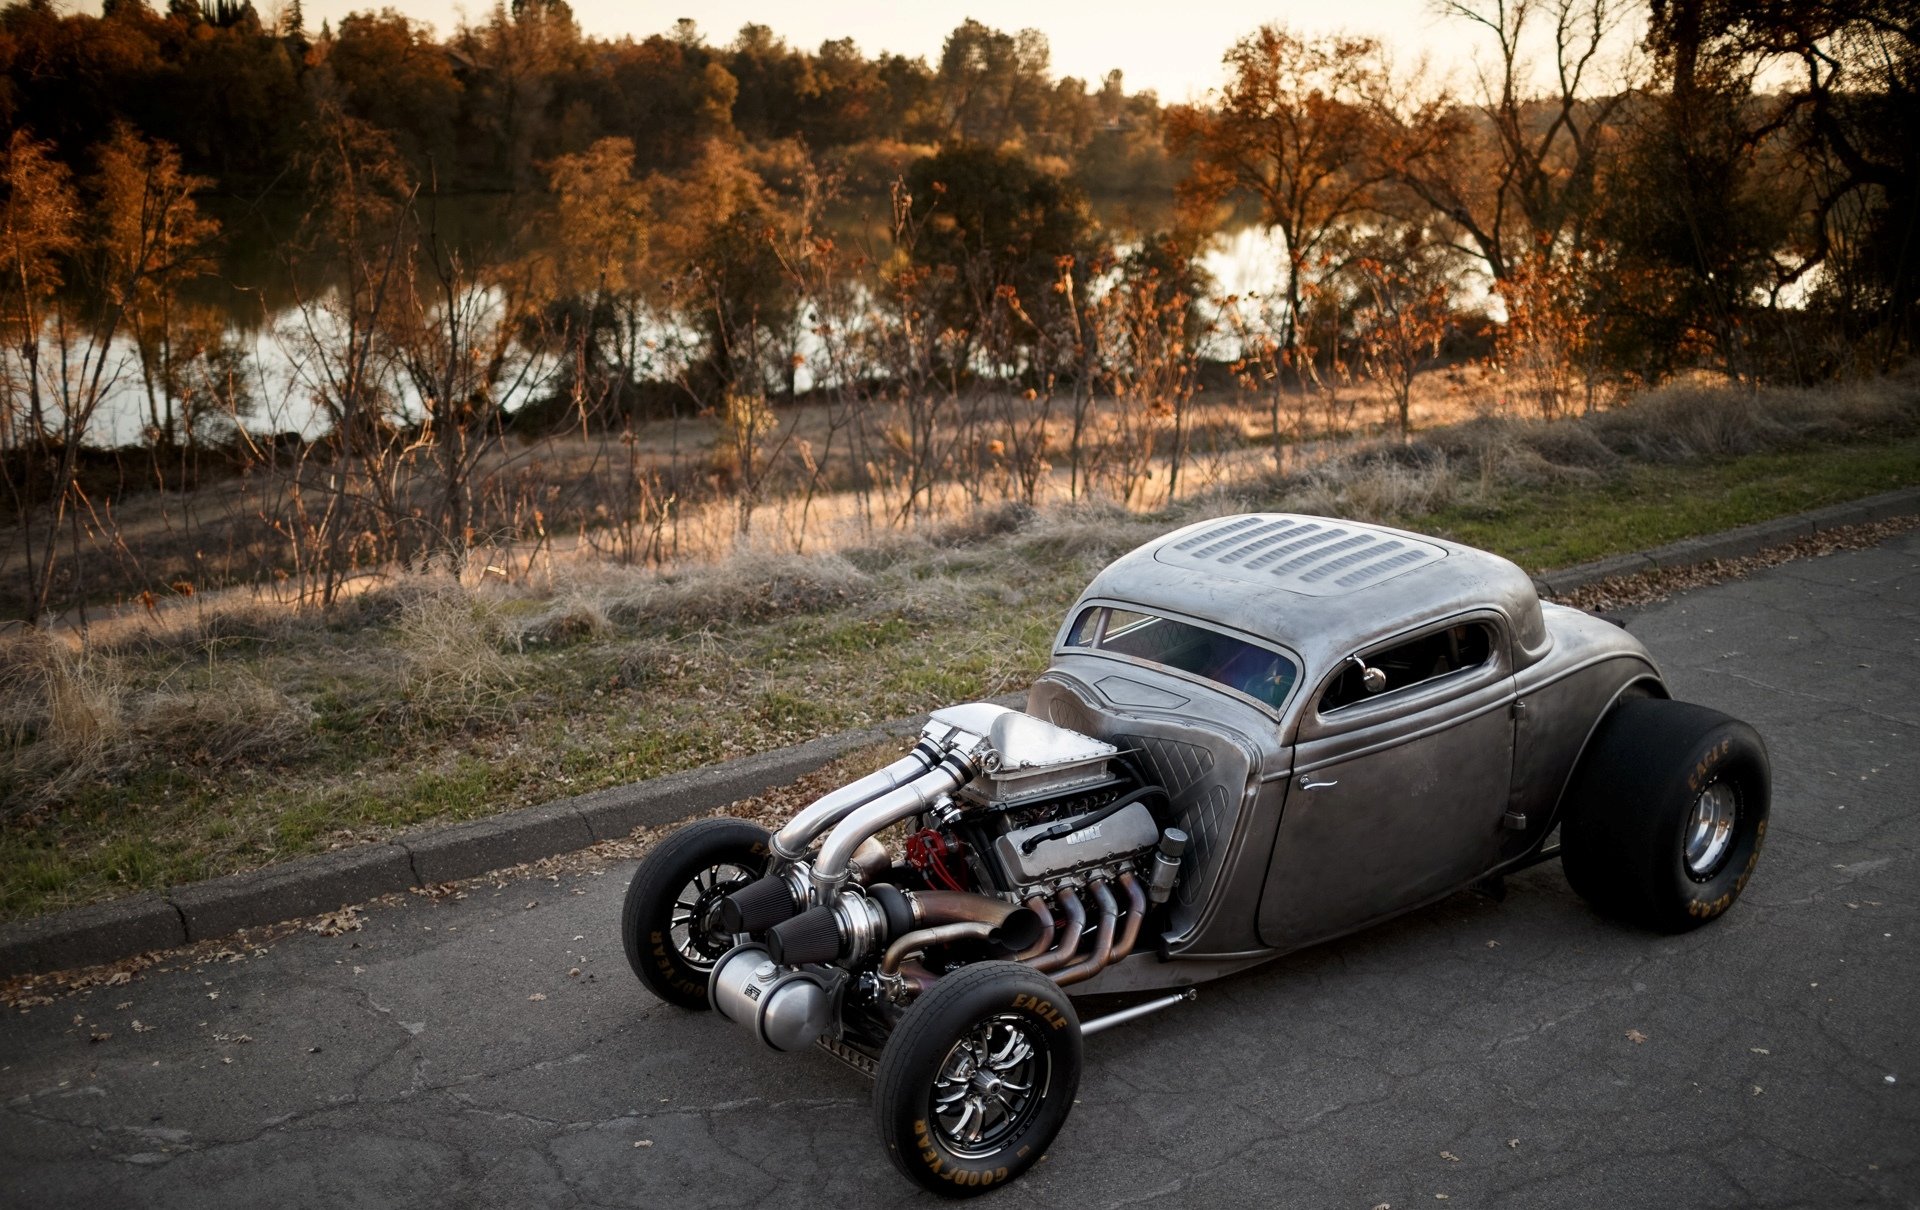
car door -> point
(1397, 796)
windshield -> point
(1259, 672)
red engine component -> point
(940, 862)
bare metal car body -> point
(1307, 822)
(1255, 733)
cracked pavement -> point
(1475, 1052)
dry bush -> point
(1372, 487)
(1687, 422)
(453, 668)
(237, 717)
(578, 613)
(1087, 532)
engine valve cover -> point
(1123, 834)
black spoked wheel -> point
(978, 1078)
(1667, 814)
(668, 922)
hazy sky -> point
(1174, 48)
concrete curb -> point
(304, 886)
(1733, 543)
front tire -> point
(667, 922)
(978, 1078)
(1667, 814)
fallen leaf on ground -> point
(99, 1035)
(538, 996)
(1636, 1037)
(143, 1029)
(1450, 1157)
(332, 924)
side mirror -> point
(1372, 679)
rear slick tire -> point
(978, 1078)
(1667, 814)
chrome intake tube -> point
(1102, 952)
(830, 871)
(793, 840)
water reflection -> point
(282, 307)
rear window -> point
(1259, 672)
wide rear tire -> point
(1667, 814)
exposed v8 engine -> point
(1032, 842)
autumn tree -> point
(1512, 166)
(1403, 286)
(145, 230)
(393, 74)
(1290, 130)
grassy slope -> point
(925, 626)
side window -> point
(1434, 655)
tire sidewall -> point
(645, 912)
(914, 1056)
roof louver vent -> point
(1302, 554)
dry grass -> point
(64, 716)
(238, 717)
(454, 670)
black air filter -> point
(812, 936)
(757, 907)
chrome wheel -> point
(692, 926)
(989, 1085)
(1710, 830)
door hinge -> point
(1515, 820)
(1518, 709)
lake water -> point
(256, 299)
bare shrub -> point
(453, 669)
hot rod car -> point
(1256, 733)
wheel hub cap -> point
(1710, 830)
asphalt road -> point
(1521, 1053)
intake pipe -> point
(760, 905)
(831, 871)
(796, 837)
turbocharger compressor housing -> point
(786, 1008)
